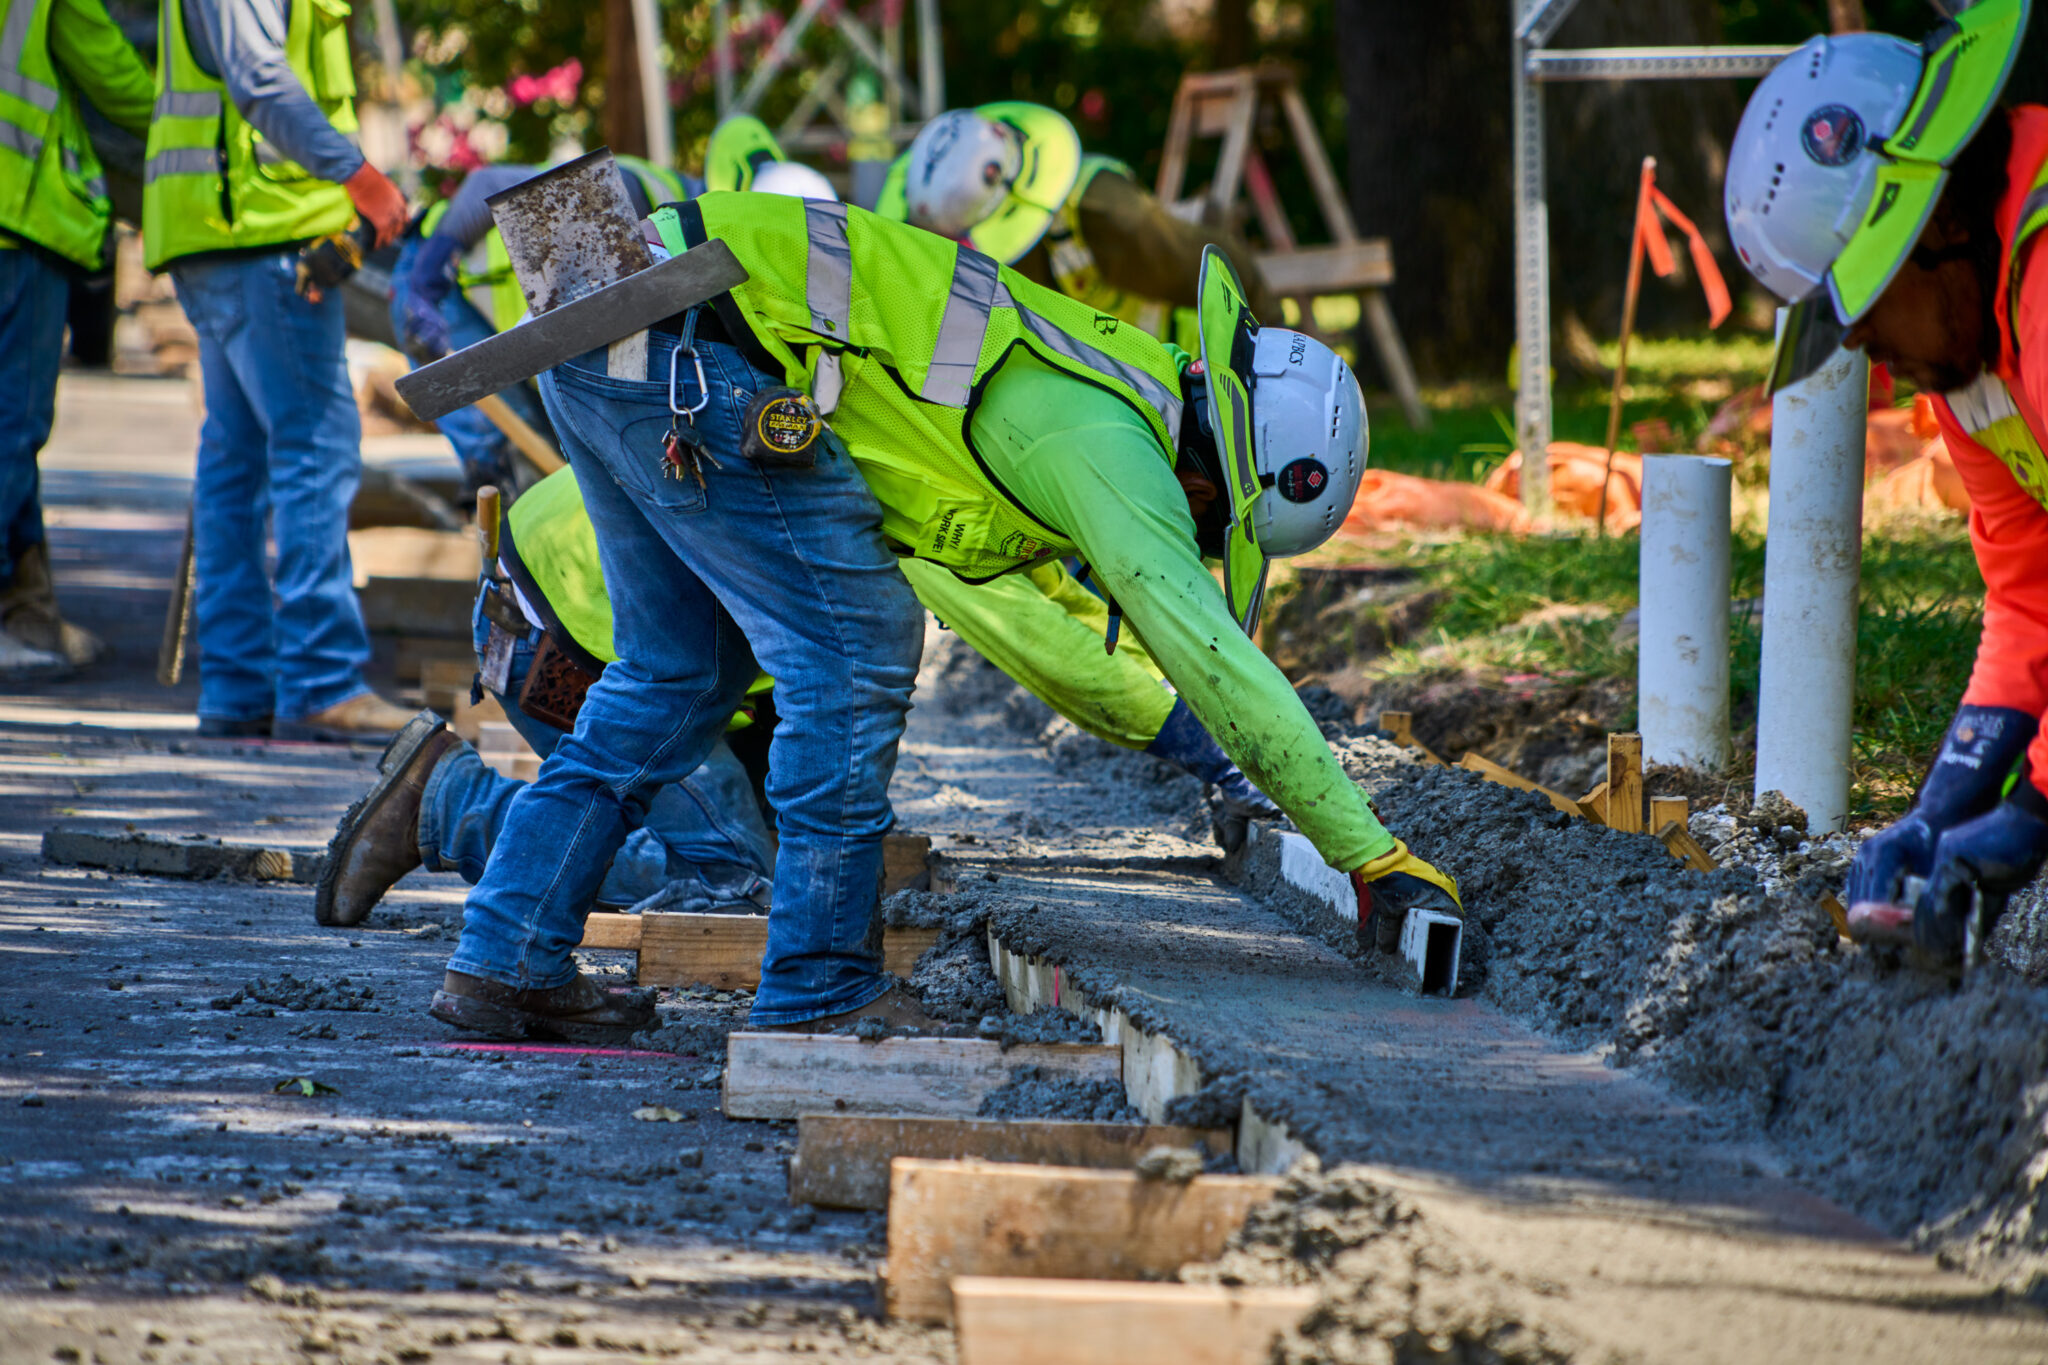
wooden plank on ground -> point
(1625, 783)
(842, 1160)
(1493, 772)
(196, 856)
(612, 931)
(469, 720)
(445, 681)
(786, 1075)
(435, 607)
(409, 552)
(1679, 841)
(724, 951)
(1401, 725)
(952, 1218)
(906, 862)
(1108, 1322)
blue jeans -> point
(33, 297)
(703, 844)
(787, 567)
(281, 444)
(487, 454)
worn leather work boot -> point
(579, 1011)
(378, 841)
(368, 716)
(896, 1007)
(28, 612)
(19, 663)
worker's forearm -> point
(247, 38)
(90, 50)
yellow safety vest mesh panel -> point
(914, 325)
(52, 191)
(1079, 276)
(210, 181)
(1986, 408)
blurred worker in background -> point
(55, 55)
(1010, 180)
(452, 286)
(1875, 184)
(248, 161)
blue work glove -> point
(1977, 866)
(1983, 746)
(426, 288)
(1186, 745)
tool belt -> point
(555, 686)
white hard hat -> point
(1843, 151)
(1309, 440)
(794, 179)
(959, 171)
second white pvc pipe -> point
(1682, 658)
(1813, 559)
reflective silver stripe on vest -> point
(1162, 400)
(182, 161)
(188, 104)
(828, 270)
(958, 350)
(20, 140)
(13, 45)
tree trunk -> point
(1230, 34)
(1846, 16)
(625, 114)
(1428, 168)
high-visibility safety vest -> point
(52, 191)
(485, 274)
(1075, 270)
(210, 182)
(895, 330)
(1986, 408)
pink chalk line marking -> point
(558, 1050)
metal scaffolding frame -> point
(909, 102)
(1534, 66)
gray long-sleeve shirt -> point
(241, 43)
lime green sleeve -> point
(1080, 460)
(1045, 630)
(90, 50)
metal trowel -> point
(589, 282)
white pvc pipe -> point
(1682, 659)
(1812, 560)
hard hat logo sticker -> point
(1833, 135)
(1303, 480)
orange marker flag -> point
(1650, 234)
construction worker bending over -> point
(248, 160)
(1875, 184)
(453, 286)
(743, 155)
(54, 216)
(977, 420)
(703, 844)
(1010, 180)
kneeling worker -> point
(978, 421)
(1874, 183)
(703, 845)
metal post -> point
(1532, 286)
(721, 54)
(931, 59)
(661, 133)
(1812, 559)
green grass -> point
(1507, 612)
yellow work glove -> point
(1387, 887)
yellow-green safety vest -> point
(52, 190)
(210, 181)
(1079, 277)
(895, 330)
(485, 272)
(1985, 407)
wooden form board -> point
(1625, 783)
(721, 951)
(1108, 1322)
(788, 1075)
(1492, 771)
(842, 1160)
(953, 1218)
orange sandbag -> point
(1928, 482)
(1890, 441)
(1575, 474)
(1388, 499)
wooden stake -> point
(1593, 805)
(1646, 221)
(949, 1218)
(1401, 725)
(1094, 1322)
(842, 1160)
(1665, 809)
(1625, 783)
(1680, 843)
(1833, 905)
